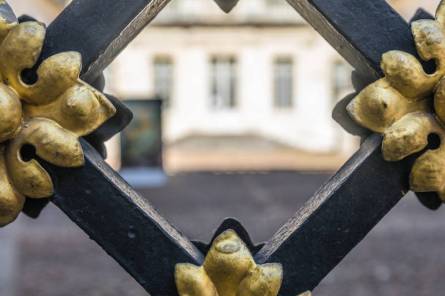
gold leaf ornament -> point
(229, 270)
(408, 105)
(50, 115)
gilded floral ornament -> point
(50, 114)
(229, 270)
(408, 105)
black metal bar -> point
(7, 13)
(123, 223)
(99, 30)
(359, 30)
(336, 218)
(95, 197)
(366, 188)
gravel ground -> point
(403, 255)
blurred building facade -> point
(407, 7)
(42, 10)
(260, 70)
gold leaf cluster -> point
(49, 115)
(408, 105)
(229, 270)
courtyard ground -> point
(50, 256)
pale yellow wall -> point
(407, 8)
(307, 125)
(43, 10)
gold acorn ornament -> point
(50, 114)
(408, 105)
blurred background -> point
(232, 119)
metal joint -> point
(408, 105)
(48, 115)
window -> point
(342, 85)
(283, 82)
(274, 3)
(61, 2)
(163, 79)
(223, 82)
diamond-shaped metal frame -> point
(309, 245)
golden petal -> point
(11, 202)
(20, 50)
(229, 270)
(439, 101)
(192, 280)
(408, 135)
(405, 73)
(56, 74)
(10, 113)
(228, 262)
(264, 280)
(430, 41)
(81, 109)
(379, 105)
(53, 144)
(428, 172)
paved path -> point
(8, 259)
(402, 256)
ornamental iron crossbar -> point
(308, 246)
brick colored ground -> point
(237, 153)
(177, 160)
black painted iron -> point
(336, 218)
(233, 224)
(127, 227)
(309, 245)
(366, 188)
(359, 30)
(99, 30)
(7, 12)
(94, 196)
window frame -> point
(234, 100)
(293, 90)
(166, 102)
(338, 92)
